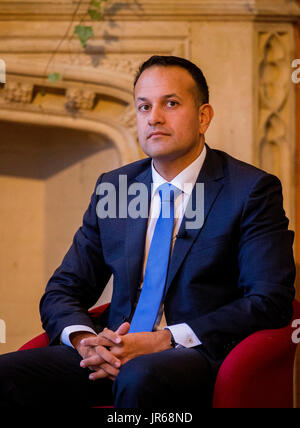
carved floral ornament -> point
(82, 99)
(274, 72)
(18, 92)
(22, 92)
(275, 145)
(274, 83)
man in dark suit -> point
(186, 290)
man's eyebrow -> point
(164, 97)
(172, 96)
(141, 99)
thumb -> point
(123, 329)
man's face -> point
(168, 117)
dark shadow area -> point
(38, 152)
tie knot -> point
(168, 192)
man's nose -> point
(156, 116)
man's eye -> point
(172, 103)
(144, 108)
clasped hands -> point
(107, 352)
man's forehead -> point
(165, 80)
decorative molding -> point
(275, 118)
(70, 106)
(80, 98)
(121, 65)
(273, 95)
(18, 92)
(128, 120)
(155, 9)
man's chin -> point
(162, 155)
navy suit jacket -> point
(231, 277)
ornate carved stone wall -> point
(275, 103)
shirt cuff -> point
(67, 331)
(184, 335)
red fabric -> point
(258, 373)
(37, 342)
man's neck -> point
(170, 168)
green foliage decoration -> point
(83, 32)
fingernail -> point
(118, 340)
(117, 364)
(91, 377)
(82, 364)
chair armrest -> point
(39, 341)
(259, 371)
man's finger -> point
(114, 337)
(123, 329)
(103, 355)
(110, 370)
(99, 374)
(102, 374)
(105, 338)
(96, 341)
(94, 360)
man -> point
(183, 296)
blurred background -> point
(67, 115)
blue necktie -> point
(157, 264)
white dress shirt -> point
(185, 181)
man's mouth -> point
(157, 134)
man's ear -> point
(206, 114)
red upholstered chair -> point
(258, 373)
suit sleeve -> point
(80, 280)
(266, 274)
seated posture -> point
(201, 256)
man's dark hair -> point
(174, 61)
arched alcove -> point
(47, 175)
(56, 139)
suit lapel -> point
(211, 175)
(136, 230)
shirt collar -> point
(185, 180)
